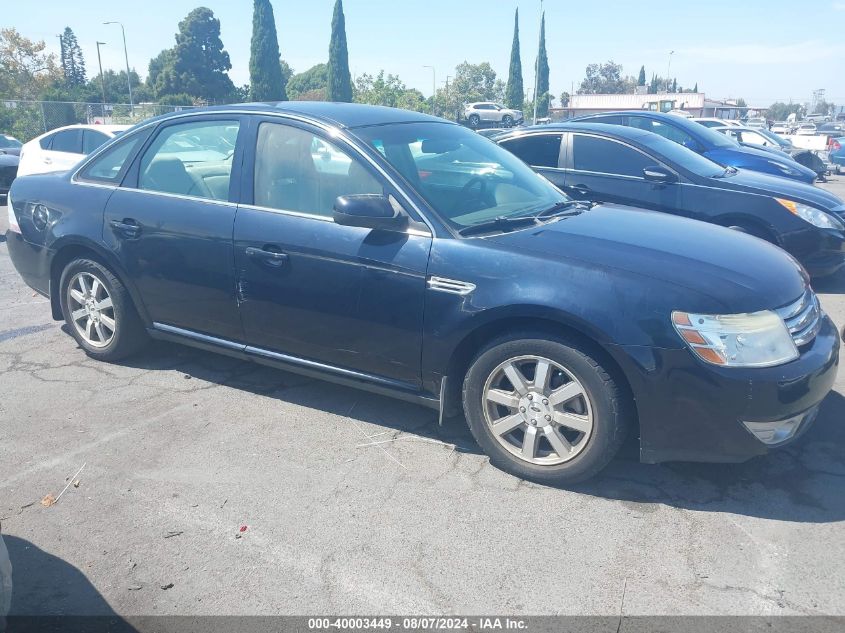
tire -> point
(474, 121)
(507, 120)
(587, 395)
(107, 326)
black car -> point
(408, 255)
(8, 171)
(624, 165)
(10, 145)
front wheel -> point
(474, 121)
(99, 311)
(507, 120)
(545, 409)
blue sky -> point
(762, 50)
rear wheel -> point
(474, 121)
(545, 410)
(99, 311)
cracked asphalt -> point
(182, 448)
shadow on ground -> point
(834, 284)
(46, 590)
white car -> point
(64, 147)
(714, 122)
(757, 122)
(806, 129)
(782, 128)
(487, 112)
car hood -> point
(737, 272)
(735, 156)
(777, 187)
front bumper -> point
(690, 411)
(820, 251)
(31, 261)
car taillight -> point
(834, 145)
(14, 227)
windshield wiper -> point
(501, 223)
(564, 209)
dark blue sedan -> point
(617, 164)
(407, 255)
(709, 143)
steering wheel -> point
(463, 194)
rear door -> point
(606, 170)
(65, 151)
(170, 224)
(541, 152)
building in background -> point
(694, 104)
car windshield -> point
(712, 137)
(466, 179)
(772, 136)
(682, 156)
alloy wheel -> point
(91, 309)
(537, 410)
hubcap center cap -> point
(535, 409)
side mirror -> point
(659, 174)
(369, 211)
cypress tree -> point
(515, 91)
(265, 69)
(641, 80)
(543, 73)
(340, 80)
(696, 87)
(73, 64)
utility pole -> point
(102, 79)
(669, 69)
(126, 57)
(433, 88)
(537, 66)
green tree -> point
(198, 65)
(542, 69)
(287, 71)
(388, 90)
(608, 79)
(641, 79)
(779, 111)
(515, 91)
(472, 82)
(72, 61)
(675, 85)
(313, 81)
(265, 68)
(696, 87)
(740, 103)
(564, 99)
(339, 78)
(26, 71)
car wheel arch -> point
(556, 326)
(69, 250)
(752, 225)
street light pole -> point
(126, 57)
(668, 69)
(433, 88)
(102, 79)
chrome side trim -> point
(205, 338)
(451, 286)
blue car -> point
(707, 142)
(837, 152)
(404, 254)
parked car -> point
(836, 128)
(782, 128)
(758, 137)
(8, 171)
(836, 154)
(64, 147)
(713, 122)
(806, 129)
(710, 144)
(619, 165)
(758, 122)
(9, 145)
(439, 269)
(487, 113)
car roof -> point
(618, 131)
(343, 115)
(107, 129)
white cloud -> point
(764, 54)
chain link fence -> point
(27, 119)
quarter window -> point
(538, 150)
(108, 167)
(298, 171)
(607, 157)
(191, 159)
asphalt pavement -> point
(212, 486)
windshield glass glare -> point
(465, 178)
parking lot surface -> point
(215, 486)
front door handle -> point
(266, 257)
(48, 160)
(126, 228)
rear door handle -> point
(126, 228)
(266, 257)
(47, 160)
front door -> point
(346, 297)
(170, 224)
(605, 170)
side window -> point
(108, 167)
(91, 140)
(607, 157)
(666, 131)
(298, 171)
(191, 159)
(47, 141)
(538, 150)
(613, 119)
(68, 141)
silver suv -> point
(487, 112)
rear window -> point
(91, 140)
(68, 141)
(109, 166)
(538, 150)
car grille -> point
(803, 318)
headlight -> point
(814, 216)
(758, 339)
